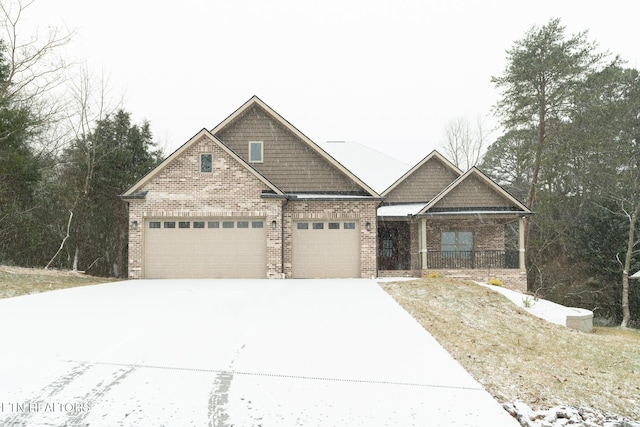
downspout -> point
(286, 202)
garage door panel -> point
(208, 250)
(326, 249)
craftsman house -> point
(256, 198)
(437, 220)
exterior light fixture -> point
(134, 225)
(368, 226)
(274, 224)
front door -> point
(393, 246)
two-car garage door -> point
(205, 248)
(236, 248)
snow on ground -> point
(547, 310)
(229, 352)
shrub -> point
(495, 282)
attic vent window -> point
(256, 152)
(206, 162)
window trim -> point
(251, 160)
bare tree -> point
(34, 67)
(631, 243)
(464, 144)
(89, 105)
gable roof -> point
(375, 168)
(433, 155)
(130, 193)
(475, 172)
(255, 101)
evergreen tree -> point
(98, 169)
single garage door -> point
(205, 248)
(326, 249)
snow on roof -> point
(404, 209)
(376, 169)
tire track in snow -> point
(22, 418)
(50, 395)
(219, 396)
(97, 392)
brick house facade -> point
(254, 197)
(293, 189)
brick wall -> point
(488, 234)
(181, 190)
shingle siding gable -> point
(423, 184)
(289, 163)
(473, 193)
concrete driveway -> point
(229, 353)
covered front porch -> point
(466, 245)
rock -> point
(560, 416)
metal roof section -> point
(377, 169)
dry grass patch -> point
(15, 281)
(517, 356)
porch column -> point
(521, 243)
(422, 242)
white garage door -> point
(326, 249)
(205, 248)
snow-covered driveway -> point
(229, 353)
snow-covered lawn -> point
(229, 352)
(547, 310)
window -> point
(256, 151)
(169, 224)
(227, 224)
(457, 243)
(349, 225)
(303, 226)
(257, 224)
(318, 226)
(213, 224)
(198, 224)
(334, 226)
(206, 162)
(184, 224)
(154, 224)
(243, 224)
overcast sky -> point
(386, 74)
